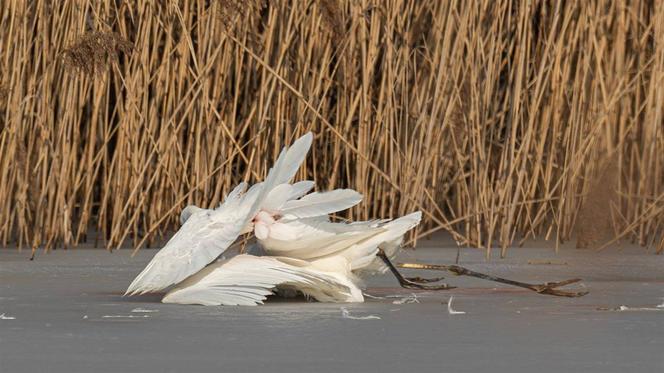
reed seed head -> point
(92, 52)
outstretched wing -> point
(284, 169)
(247, 280)
(204, 236)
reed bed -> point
(500, 120)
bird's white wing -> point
(204, 236)
(248, 280)
(319, 204)
(285, 167)
(277, 197)
(312, 247)
(233, 195)
(362, 256)
(295, 155)
(301, 188)
(313, 239)
(357, 243)
(236, 192)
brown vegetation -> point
(486, 115)
(594, 225)
(92, 52)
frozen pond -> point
(64, 312)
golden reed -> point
(492, 117)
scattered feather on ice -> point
(346, 315)
(124, 316)
(623, 308)
(143, 310)
(626, 308)
(407, 300)
(372, 296)
(4, 317)
(452, 311)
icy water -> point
(64, 312)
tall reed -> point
(492, 117)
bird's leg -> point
(409, 283)
(549, 288)
(421, 280)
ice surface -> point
(59, 301)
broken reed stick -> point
(548, 288)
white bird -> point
(206, 233)
(306, 251)
(318, 258)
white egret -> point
(318, 258)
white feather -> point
(318, 204)
(296, 154)
(363, 258)
(248, 280)
(233, 195)
(316, 246)
(236, 192)
(301, 188)
(284, 169)
(277, 197)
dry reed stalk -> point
(4, 93)
(486, 115)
